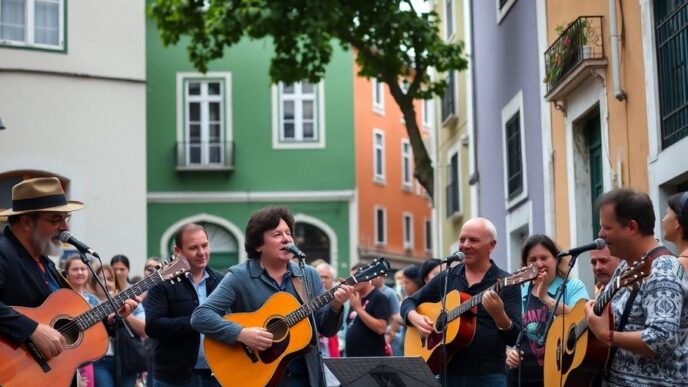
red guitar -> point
(86, 338)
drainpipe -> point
(614, 39)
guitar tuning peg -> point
(164, 262)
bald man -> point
(497, 323)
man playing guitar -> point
(40, 211)
(498, 322)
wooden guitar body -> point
(237, 365)
(460, 332)
(19, 368)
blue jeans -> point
(195, 381)
(487, 380)
(104, 374)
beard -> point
(44, 246)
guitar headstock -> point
(374, 269)
(631, 275)
(175, 268)
(524, 274)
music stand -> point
(384, 371)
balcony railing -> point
(205, 155)
(581, 41)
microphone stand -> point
(118, 320)
(309, 288)
(517, 346)
(443, 317)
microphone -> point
(295, 250)
(67, 237)
(597, 244)
(456, 257)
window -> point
(449, 99)
(380, 226)
(513, 146)
(514, 171)
(408, 231)
(32, 23)
(298, 118)
(428, 113)
(503, 7)
(449, 26)
(406, 165)
(378, 156)
(428, 235)
(204, 121)
(378, 96)
(452, 188)
(671, 32)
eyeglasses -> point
(56, 220)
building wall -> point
(506, 69)
(390, 195)
(79, 114)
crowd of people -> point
(647, 327)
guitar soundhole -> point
(69, 330)
(278, 327)
(441, 322)
(571, 341)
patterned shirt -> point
(660, 313)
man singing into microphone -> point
(248, 285)
(40, 212)
(497, 322)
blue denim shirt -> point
(245, 288)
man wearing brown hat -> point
(40, 212)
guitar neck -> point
(601, 301)
(97, 314)
(315, 304)
(473, 301)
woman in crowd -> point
(120, 264)
(430, 269)
(104, 369)
(537, 303)
(675, 225)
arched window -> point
(313, 241)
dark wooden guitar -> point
(86, 337)
(284, 317)
(573, 355)
(460, 331)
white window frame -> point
(406, 165)
(225, 78)
(408, 232)
(378, 89)
(427, 230)
(30, 26)
(449, 30)
(455, 150)
(278, 141)
(379, 178)
(377, 225)
(501, 13)
(508, 112)
(428, 107)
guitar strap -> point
(298, 285)
(654, 253)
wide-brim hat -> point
(38, 195)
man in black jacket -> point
(178, 358)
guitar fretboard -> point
(601, 301)
(473, 301)
(315, 304)
(97, 314)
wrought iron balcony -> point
(205, 156)
(580, 46)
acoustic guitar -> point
(86, 337)
(459, 331)
(287, 320)
(573, 355)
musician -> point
(675, 225)
(248, 285)
(651, 348)
(538, 301)
(498, 317)
(603, 266)
(40, 212)
(178, 358)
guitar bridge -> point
(249, 352)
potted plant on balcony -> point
(569, 48)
